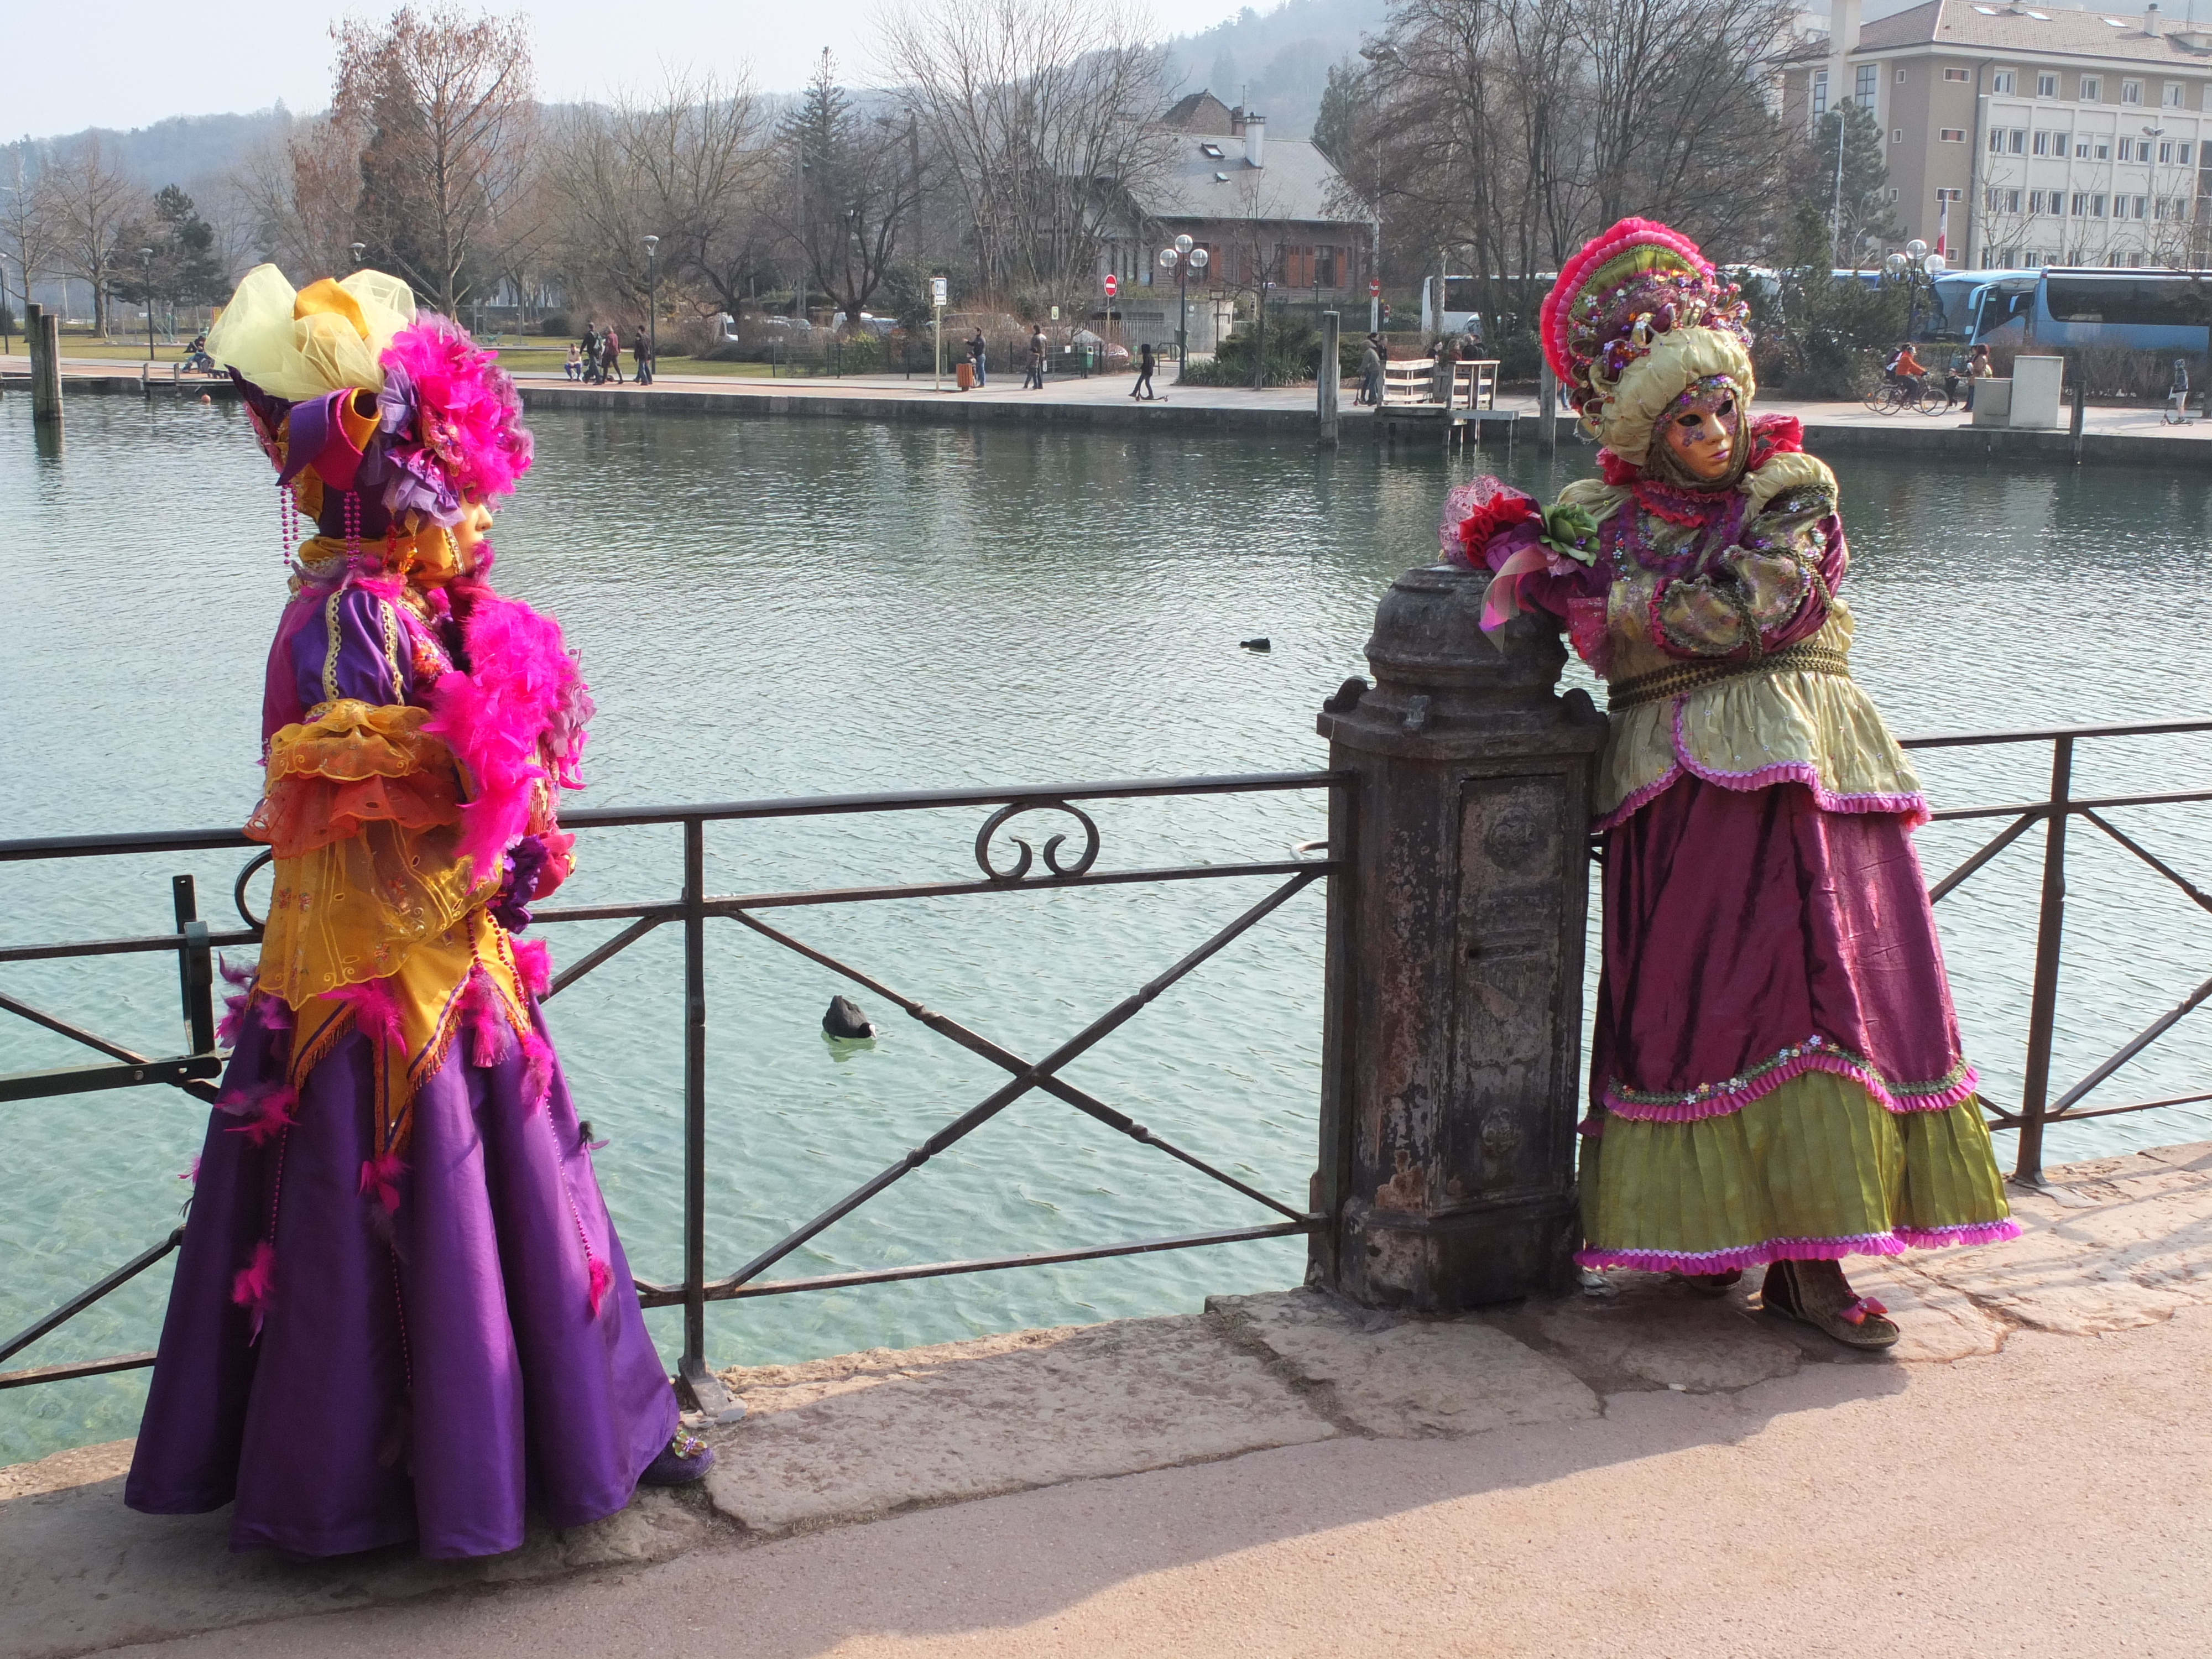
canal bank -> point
(1283, 1474)
(2113, 436)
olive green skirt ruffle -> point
(1817, 1169)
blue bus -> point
(2064, 306)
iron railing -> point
(1000, 869)
(194, 940)
(2056, 812)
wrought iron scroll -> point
(1005, 814)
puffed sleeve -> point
(1770, 588)
(355, 646)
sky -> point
(246, 54)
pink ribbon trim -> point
(1893, 1243)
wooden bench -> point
(1413, 381)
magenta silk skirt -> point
(425, 1374)
(1776, 1069)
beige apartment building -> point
(2032, 134)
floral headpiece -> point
(383, 422)
(1634, 318)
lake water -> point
(772, 608)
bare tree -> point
(685, 166)
(1043, 115)
(93, 202)
(29, 227)
(448, 107)
(299, 190)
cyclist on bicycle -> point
(1906, 369)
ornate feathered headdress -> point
(383, 422)
(1635, 317)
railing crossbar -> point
(116, 1362)
(1000, 1098)
(2046, 734)
(2045, 809)
(662, 1296)
(2142, 1040)
(1008, 1060)
(74, 1033)
(604, 952)
(1996, 845)
(83, 1299)
(2196, 895)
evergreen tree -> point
(1863, 221)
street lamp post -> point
(1182, 259)
(358, 249)
(1915, 265)
(651, 312)
(146, 259)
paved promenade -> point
(2136, 436)
(1639, 1472)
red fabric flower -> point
(1775, 434)
(1615, 471)
(1501, 512)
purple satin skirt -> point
(422, 1374)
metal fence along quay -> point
(1028, 840)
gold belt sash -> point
(1805, 656)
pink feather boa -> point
(516, 717)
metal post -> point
(2081, 395)
(1547, 406)
(1182, 316)
(194, 967)
(701, 1388)
(1329, 372)
(1452, 1037)
(2043, 1001)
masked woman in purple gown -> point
(400, 1311)
(1776, 1077)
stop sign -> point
(1112, 287)
(1373, 288)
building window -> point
(2096, 207)
(1957, 75)
(2092, 90)
(2081, 204)
(1949, 194)
(2138, 206)
(2007, 139)
(2169, 94)
(1901, 75)
(1952, 135)
(1896, 135)
(2046, 86)
(2165, 152)
(2103, 149)
(2131, 92)
(2181, 152)
(2011, 201)
(1819, 92)
(2127, 149)
(2004, 81)
(1869, 77)
(2034, 258)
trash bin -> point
(964, 372)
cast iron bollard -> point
(1453, 1039)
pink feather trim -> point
(537, 1071)
(379, 1177)
(192, 1170)
(1979, 1232)
(489, 1035)
(375, 1011)
(255, 1285)
(273, 1108)
(522, 705)
(1893, 1243)
(600, 1279)
(533, 962)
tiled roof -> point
(1983, 25)
(1296, 182)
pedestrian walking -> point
(588, 349)
(642, 351)
(1036, 359)
(1370, 371)
(1144, 386)
(611, 354)
(979, 352)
